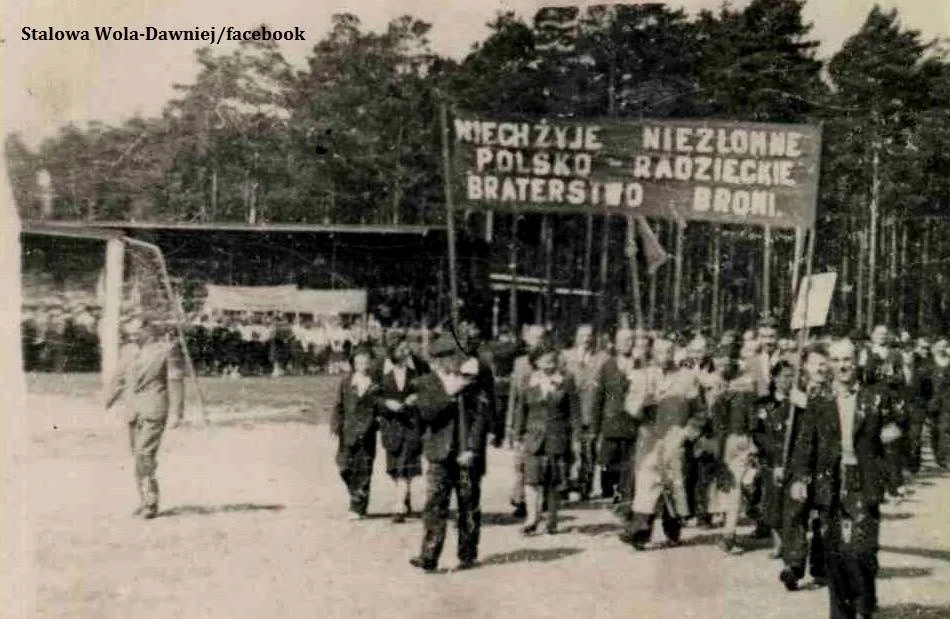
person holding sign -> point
(454, 443)
(840, 456)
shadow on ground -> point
(887, 573)
(206, 510)
(501, 519)
(703, 539)
(913, 611)
(531, 555)
(602, 528)
(897, 516)
(925, 553)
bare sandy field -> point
(253, 524)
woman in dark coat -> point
(771, 426)
(399, 420)
(354, 422)
(550, 407)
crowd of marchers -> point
(686, 431)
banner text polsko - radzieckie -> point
(710, 170)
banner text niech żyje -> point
(708, 170)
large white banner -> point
(285, 299)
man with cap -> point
(454, 443)
(611, 422)
(532, 337)
(583, 362)
(839, 455)
(142, 383)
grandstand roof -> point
(112, 227)
(74, 231)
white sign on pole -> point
(820, 287)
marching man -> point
(583, 363)
(840, 454)
(671, 415)
(454, 444)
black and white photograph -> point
(427, 309)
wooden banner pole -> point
(449, 214)
(634, 270)
(802, 341)
(767, 270)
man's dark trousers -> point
(442, 478)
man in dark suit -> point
(454, 443)
(840, 454)
(919, 375)
(617, 429)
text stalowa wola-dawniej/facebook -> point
(152, 33)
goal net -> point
(83, 292)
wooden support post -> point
(548, 226)
(717, 266)
(109, 329)
(588, 251)
(678, 275)
(513, 269)
(604, 284)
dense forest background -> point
(354, 136)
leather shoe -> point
(422, 564)
(630, 539)
(467, 564)
(789, 579)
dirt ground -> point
(253, 524)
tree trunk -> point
(396, 200)
(872, 233)
(902, 281)
(923, 316)
(892, 286)
(214, 193)
(860, 280)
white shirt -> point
(846, 400)
(625, 364)
(399, 374)
(361, 382)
